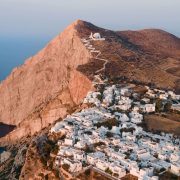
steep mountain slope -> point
(46, 86)
(50, 84)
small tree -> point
(109, 134)
(88, 149)
(116, 175)
(167, 107)
(99, 97)
(108, 171)
(159, 105)
(66, 167)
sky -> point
(27, 25)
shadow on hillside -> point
(5, 129)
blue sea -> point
(2, 149)
(14, 51)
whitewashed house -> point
(145, 172)
(176, 107)
(174, 157)
(137, 130)
(123, 91)
(135, 109)
(75, 166)
(136, 117)
(115, 130)
(148, 108)
(102, 164)
(134, 171)
(69, 142)
(69, 152)
(126, 163)
(79, 155)
(96, 37)
(153, 145)
(163, 96)
(151, 93)
(57, 127)
(145, 100)
(172, 94)
(143, 154)
(162, 156)
(123, 107)
(62, 150)
(164, 164)
(57, 161)
(125, 134)
(131, 137)
(117, 155)
(102, 131)
(92, 157)
(154, 178)
(80, 144)
(60, 142)
(117, 169)
(121, 116)
(92, 98)
(175, 168)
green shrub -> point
(66, 167)
(167, 107)
(159, 105)
(116, 175)
(41, 175)
(108, 171)
(109, 134)
(109, 123)
(99, 144)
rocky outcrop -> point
(47, 86)
(18, 163)
(42, 77)
(53, 110)
(79, 85)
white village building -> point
(75, 166)
(96, 37)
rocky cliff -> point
(46, 86)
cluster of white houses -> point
(109, 138)
(165, 95)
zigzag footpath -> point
(87, 43)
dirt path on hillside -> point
(87, 43)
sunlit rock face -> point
(47, 83)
